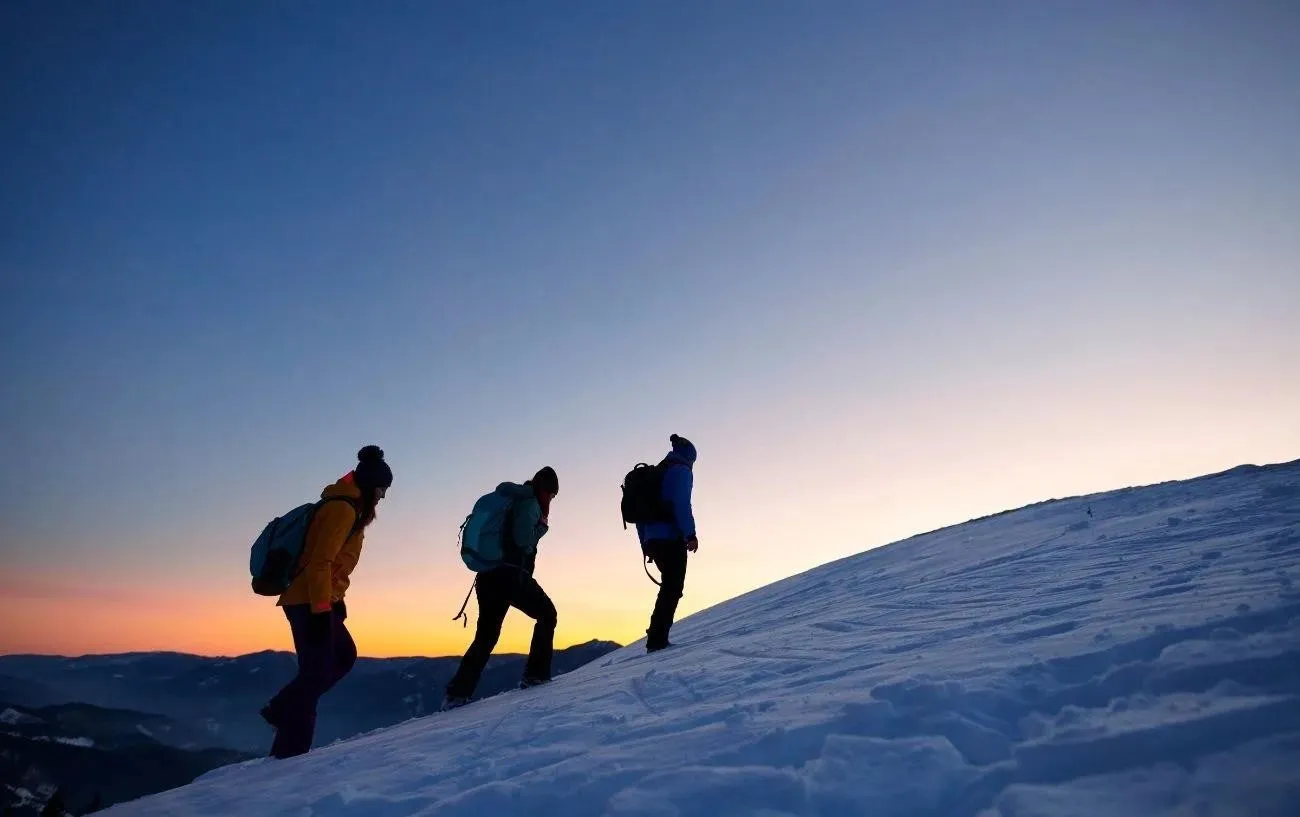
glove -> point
(693, 544)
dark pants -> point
(326, 653)
(499, 590)
(670, 557)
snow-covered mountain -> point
(92, 755)
(1130, 653)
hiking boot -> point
(450, 702)
(268, 715)
(656, 646)
(533, 682)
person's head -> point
(683, 450)
(546, 485)
(373, 478)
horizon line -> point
(185, 654)
(983, 517)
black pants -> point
(670, 557)
(326, 654)
(497, 591)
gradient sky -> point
(890, 266)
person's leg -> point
(344, 657)
(493, 604)
(274, 710)
(531, 600)
(293, 709)
(310, 646)
(345, 648)
(670, 558)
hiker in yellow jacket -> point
(314, 603)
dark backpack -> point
(643, 496)
(276, 553)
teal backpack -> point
(483, 533)
(276, 553)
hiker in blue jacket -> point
(666, 543)
(512, 585)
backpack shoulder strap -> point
(356, 508)
(508, 529)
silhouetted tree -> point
(55, 807)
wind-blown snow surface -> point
(1141, 660)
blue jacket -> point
(678, 482)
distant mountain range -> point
(121, 726)
(92, 755)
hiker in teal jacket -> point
(528, 525)
(512, 585)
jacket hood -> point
(679, 458)
(345, 486)
(683, 450)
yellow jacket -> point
(330, 552)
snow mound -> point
(12, 717)
(1130, 653)
(22, 797)
(84, 743)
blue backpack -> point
(275, 556)
(483, 533)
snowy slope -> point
(1141, 660)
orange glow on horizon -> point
(405, 593)
(221, 627)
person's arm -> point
(329, 530)
(346, 560)
(679, 483)
(529, 527)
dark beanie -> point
(546, 480)
(371, 471)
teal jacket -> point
(525, 528)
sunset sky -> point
(889, 266)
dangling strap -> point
(465, 604)
(647, 572)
